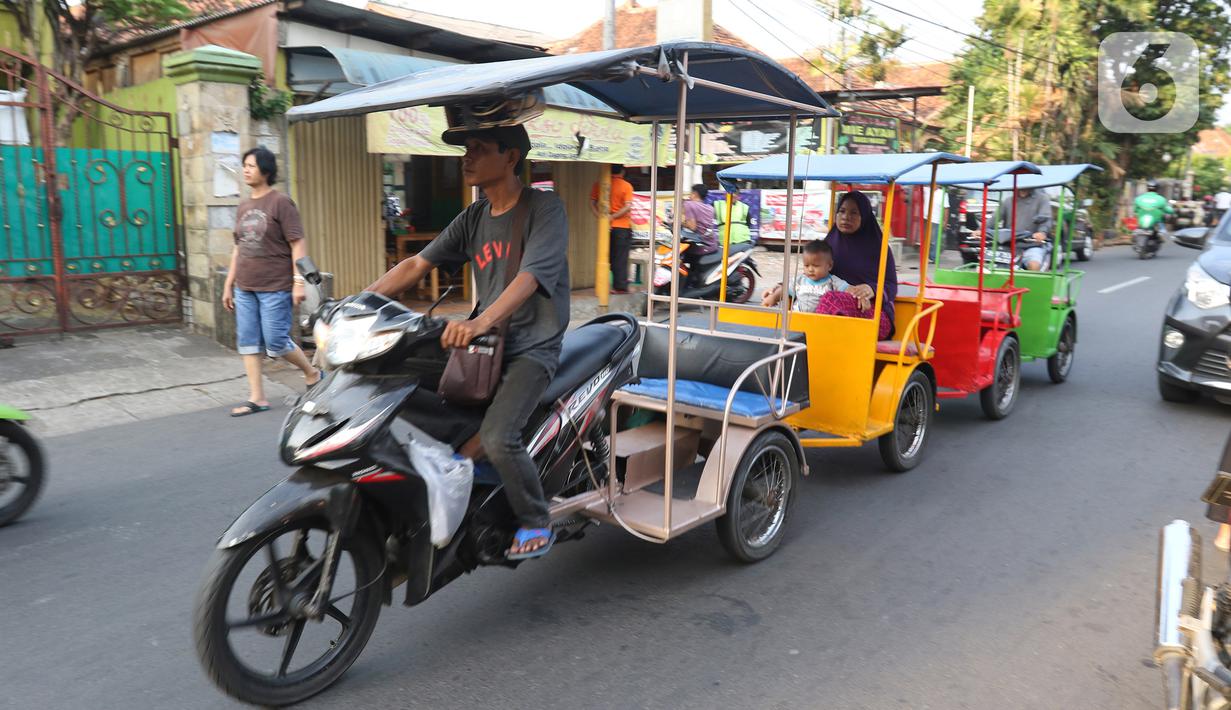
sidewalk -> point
(83, 381)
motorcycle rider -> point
(1151, 206)
(741, 223)
(535, 302)
(1033, 215)
(699, 220)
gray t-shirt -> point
(535, 330)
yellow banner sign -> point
(556, 135)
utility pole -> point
(970, 116)
(609, 24)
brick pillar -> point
(211, 101)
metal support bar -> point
(728, 89)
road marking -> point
(1126, 284)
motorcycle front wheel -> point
(21, 471)
(252, 636)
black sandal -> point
(250, 408)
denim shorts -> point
(263, 318)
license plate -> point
(662, 277)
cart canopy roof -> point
(1050, 176)
(611, 76)
(861, 169)
(972, 174)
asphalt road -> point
(1014, 568)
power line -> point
(964, 34)
(769, 32)
(854, 93)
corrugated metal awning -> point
(333, 70)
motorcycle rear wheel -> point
(269, 599)
(28, 483)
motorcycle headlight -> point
(349, 341)
(1204, 291)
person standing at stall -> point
(621, 226)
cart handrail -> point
(777, 382)
(913, 326)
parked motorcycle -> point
(741, 272)
(1193, 619)
(21, 465)
(381, 498)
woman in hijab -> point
(856, 242)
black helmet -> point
(1152, 185)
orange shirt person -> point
(621, 226)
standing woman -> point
(262, 287)
(856, 242)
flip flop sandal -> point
(250, 408)
(526, 535)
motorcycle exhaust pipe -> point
(1179, 594)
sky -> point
(779, 28)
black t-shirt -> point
(536, 329)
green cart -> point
(1048, 320)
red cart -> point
(977, 348)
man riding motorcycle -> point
(1033, 216)
(1150, 208)
(535, 303)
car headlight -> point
(349, 341)
(1204, 291)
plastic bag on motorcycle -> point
(448, 477)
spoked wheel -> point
(21, 471)
(999, 397)
(1061, 364)
(253, 635)
(740, 285)
(902, 448)
(760, 498)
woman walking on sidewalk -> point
(262, 287)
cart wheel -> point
(902, 448)
(1061, 364)
(999, 397)
(1175, 393)
(760, 498)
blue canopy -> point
(1050, 176)
(971, 174)
(861, 169)
(611, 76)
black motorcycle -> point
(309, 564)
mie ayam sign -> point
(867, 133)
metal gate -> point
(88, 228)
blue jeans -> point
(263, 318)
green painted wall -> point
(10, 38)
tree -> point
(1209, 175)
(1051, 46)
(74, 31)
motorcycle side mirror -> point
(308, 269)
(1192, 237)
(312, 296)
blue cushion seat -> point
(706, 396)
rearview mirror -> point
(1192, 237)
